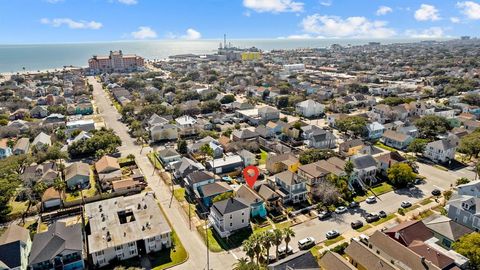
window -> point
(243, 220)
(132, 252)
(231, 224)
(131, 244)
(230, 216)
(99, 253)
(243, 213)
(118, 248)
(465, 219)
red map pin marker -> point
(250, 173)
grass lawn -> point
(18, 208)
(179, 194)
(382, 220)
(314, 250)
(263, 157)
(364, 228)
(213, 245)
(92, 191)
(439, 208)
(333, 241)
(154, 160)
(262, 229)
(426, 201)
(283, 225)
(379, 190)
(169, 258)
(413, 207)
(426, 214)
(217, 244)
(383, 146)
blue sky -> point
(56, 21)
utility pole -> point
(206, 239)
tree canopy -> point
(312, 155)
(430, 126)
(104, 140)
(470, 144)
(355, 124)
(468, 246)
(400, 174)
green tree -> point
(242, 264)
(430, 126)
(355, 124)
(206, 150)
(131, 157)
(59, 185)
(277, 240)
(282, 102)
(470, 144)
(468, 245)
(248, 248)
(223, 197)
(400, 174)
(288, 233)
(182, 146)
(267, 239)
(417, 145)
(462, 181)
(227, 99)
(313, 155)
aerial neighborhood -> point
(368, 158)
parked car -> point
(341, 209)
(372, 217)
(405, 204)
(382, 214)
(418, 181)
(306, 243)
(283, 250)
(353, 204)
(371, 199)
(357, 224)
(436, 192)
(332, 234)
(324, 215)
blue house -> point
(196, 179)
(206, 193)
(252, 199)
(5, 151)
(375, 131)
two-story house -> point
(314, 173)
(309, 108)
(282, 162)
(290, 187)
(464, 207)
(15, 245)
(396, 139)
(374, 131)
(196, 179)
(252, 199)
(443, 150)
(59, 248)
(228, 216)
(365, 168)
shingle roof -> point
(105, 162)
(198, 176)
(14, 233)
(247, 195)
(410, 231)
(366, 257)
(448, 228)
(430, 254)
(333, 261)
(396, 136)
(229, 205)
(301, 260)
(363, 162)
(214, 189)
(77, 168)
(58, 238)
(10, 255)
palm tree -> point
(241, 264)
(268, 238)
(277, 240)
(257, 245)
(288, 233)
(131, 157)
(348, 168)
(59, 185)
(247, 247)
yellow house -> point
(350, 148)
(250, 56)
(282, 162)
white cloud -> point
(432, 32)
(454, 19)
(192, 34)
(427, 13)
(274, 6)
(144, 32)
(383, 10)
(128, 2)
(470, 9)
(326, 3)
(356, 27)
(57, 22)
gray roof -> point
(22, 144)
(14, 233)
(302, 260)
(215, 188)
(42, 138)
(77, 168)
(363, 162)
(448, 228)
(444, 144)
(198, 176)
(245, 134)
(287, 177)
(229, 206)
(168, 152)
(58, 238)
(10, 255)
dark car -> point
(382, 214)
(372, 217)
(324, 215)
(353, 205)
(436, 192)
(357, 224)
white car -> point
(283, 250)
(371, 199)
(306, 243)
(332, 234)
(341, 209)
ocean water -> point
(14, 58)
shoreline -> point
(34, 72)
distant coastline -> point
(43, 57)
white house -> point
(15, 245)
(163, 132)
(441, 150)
(309, 108)
(228, 216)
